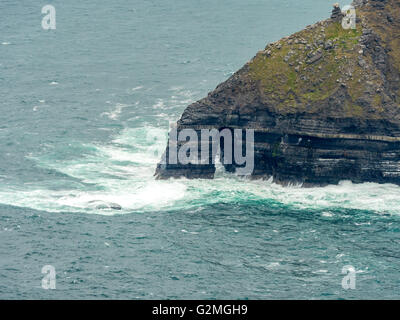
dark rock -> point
(102, 205)
(328, 45)
(330, 129)
(314, 58)
(336, 13)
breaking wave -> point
(117, 178)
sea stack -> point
(324, 103)
(336, 12)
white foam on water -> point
(137, 88)
(159, 105)
(327, 214)
(181, 97)
(120, 173)
(115, 113)
(121, 170)
(151, 195)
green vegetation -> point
(290, 80)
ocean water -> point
(84, 118)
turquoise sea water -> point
(84, 118)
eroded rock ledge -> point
(324, 103)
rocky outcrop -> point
(324, 104)
(336, 13)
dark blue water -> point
(84, 117)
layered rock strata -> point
(324, 104)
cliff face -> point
(324, 103)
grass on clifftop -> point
(289, 80)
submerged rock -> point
(322, 111)
(103, 205)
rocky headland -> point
(324, 103)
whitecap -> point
(321, 271)
(159, 105)
(327, 214)
(114, 114)
(137, 88)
